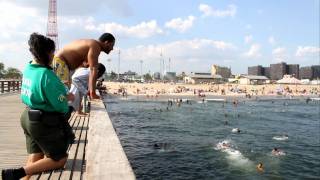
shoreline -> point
(166, 91)
(210, 98)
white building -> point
(198, 78)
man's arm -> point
(93, 55)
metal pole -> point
(119, 67)
(160, 65)
(141, 62)
(109, 65)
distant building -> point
(267, 72)
(293, 69)
(256, 70)
(316, 72)
(219, 70)
(277, 71)
(128, 76)
(156, 76)
(259, 71)
(171, 76)
(251, 79)
(198, 78)
(310, 72)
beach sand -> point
(206, 90)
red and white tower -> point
(52, 24)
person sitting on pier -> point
(79, 86)
(43, 120)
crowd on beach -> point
(202, 90)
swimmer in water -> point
(277, 152)
(156, 146)
(260, 167)
(225, 145)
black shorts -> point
(45, 137)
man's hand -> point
(70, 97)
(94, 96)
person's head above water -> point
(107, 41)
(42, 49)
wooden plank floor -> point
(13, 151)
(12, 144)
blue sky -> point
(193, 34)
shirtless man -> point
(73, 55)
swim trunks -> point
(61, 69)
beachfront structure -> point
(200, 78)
(310, 72)
(275, 71)
(256, 70)
(251, 79)
(170, 76)
(289, 79)
(156, 76)
(222, 71)
(293, 70)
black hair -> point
(101, 70)
(40, 47)
(106, 37)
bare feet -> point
(94, 96)
(81, 113)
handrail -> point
(10, 86)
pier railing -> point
(10, 85)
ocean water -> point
(185, 142)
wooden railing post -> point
(18, 86)
(2, 86)
(8, 86)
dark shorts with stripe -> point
(45, 136)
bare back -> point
(75, 53)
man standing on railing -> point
(74, 54)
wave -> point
(235, 157)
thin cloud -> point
(142, 30)
(248, 39)
(248, 26)
(185, 54)
(280, 54)
(254, 51)
(304, 51)
(210, 11)
(179, 24)
(81, 8)
(271, 40)
(14, 20)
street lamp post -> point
(119, 66)
(141, 62)
(109, 67)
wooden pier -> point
(96, 153)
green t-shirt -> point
(42, 89)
